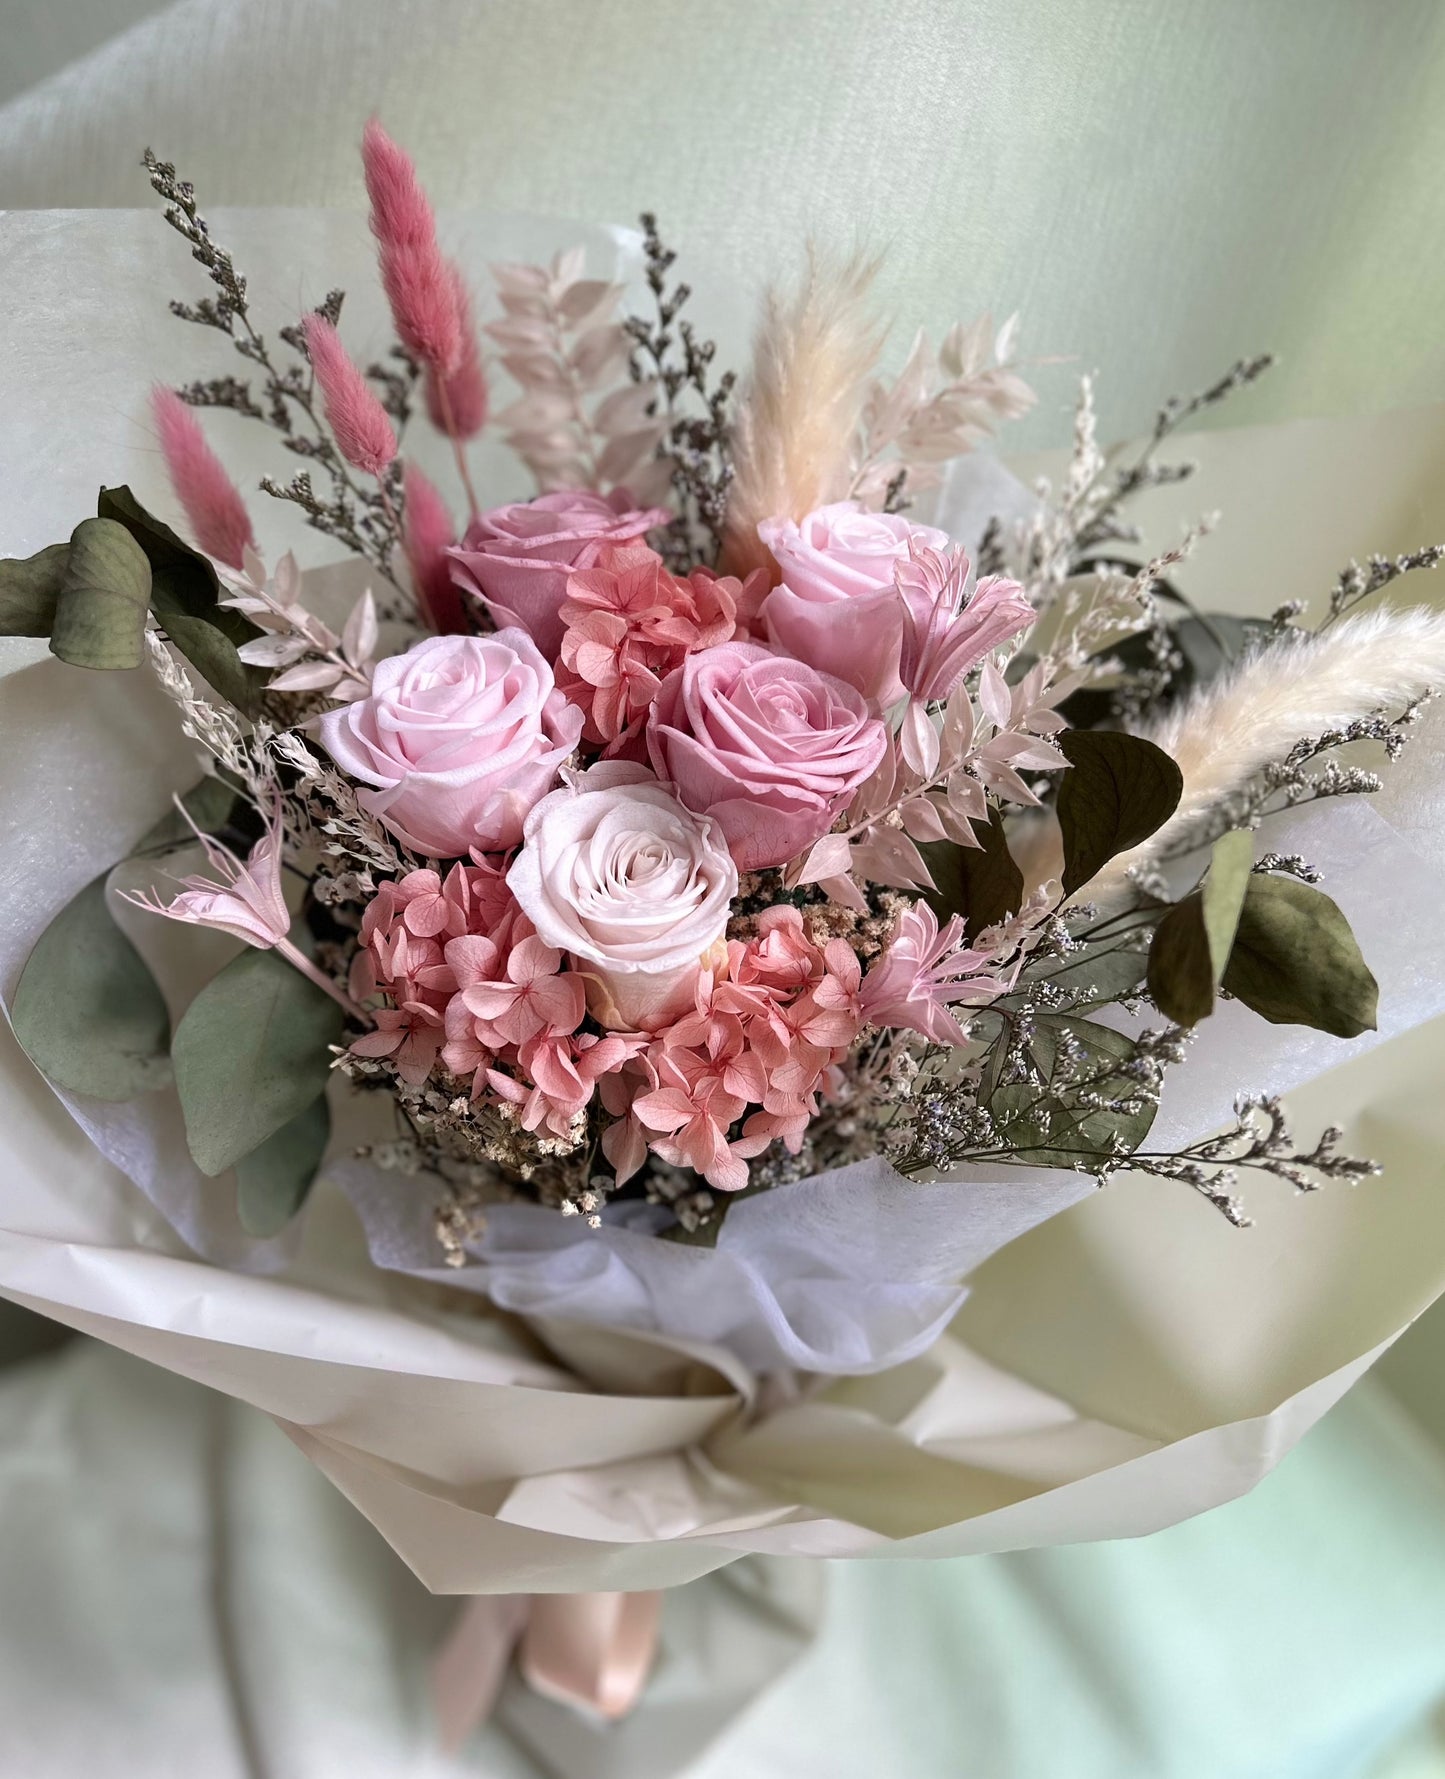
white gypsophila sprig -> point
(563, 343)
(216, 727)
(314, 658)
(326, 808)
(939, 407)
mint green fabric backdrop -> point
(1161, 186)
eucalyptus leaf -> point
(982, 883)
(1047, 1125)
(251, 1054)
(1192, 943)
(185, 597)
(275, 1179)
(1100, 973)
(1295, 960)
(29, 589)
(105, 592)
(87, 1011)
(209, 804)
(1119, 789)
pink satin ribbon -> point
(588, 1650)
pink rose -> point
(518, 558)
(836, 608)
(636, 888)
(770, 748)
(460, 736)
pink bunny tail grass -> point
(418, 282)
(459, 404)
(212, 502)
(427, 534)
(357, 419)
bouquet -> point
(696, 914)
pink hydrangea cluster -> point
(769, 1028)
(628, 623)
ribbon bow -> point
(589, 1650)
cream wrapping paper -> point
(1140, 1362)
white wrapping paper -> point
(1119, 1367)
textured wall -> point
(1160, 185)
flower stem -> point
(444, 400)
(299, 960)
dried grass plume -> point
(793, 441)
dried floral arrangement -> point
(705, 822)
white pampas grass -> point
(795, 432)
(1299, 686)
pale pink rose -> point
(769, 747)
(836, 608)
(460, 736)
(616, 872)
(517, 558)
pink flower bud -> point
(354, 413)
(418, 282)
(428, 535)
(213, 505)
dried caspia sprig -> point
(937, 408)
(563, 343)
(363, 519)
(1359, 582)
(1259, 1139)
(674, 367)
(313, 656)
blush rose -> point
(517, 558)
(836, 608)
(459, 737)
(616, 872)
(770, 748)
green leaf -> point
(273, 1181)
(1295, 960)
(87, 1010)
(1223, 892)
(982, 883)
(1100, 973)
(29, 590)
(185, 597)
(1210, 642)
(105, 591)
(1048, 1126)
(251, 1053)
(209, 805)
(1192, 943)
(1118, 790)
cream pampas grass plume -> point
(1301, 685)
(793, 440)
(1225, 734)
(212, 502)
